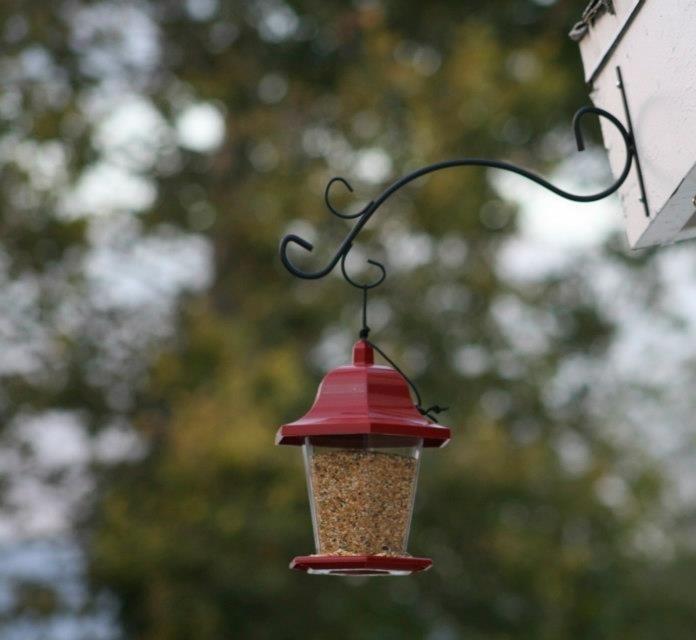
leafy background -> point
(152, 155)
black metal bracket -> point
(363, 216)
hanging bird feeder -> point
(363, 436)
(362, 441)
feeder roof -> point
(363, 398)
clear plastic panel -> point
(361, 492)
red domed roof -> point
(361, 399)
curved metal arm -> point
(364, 215)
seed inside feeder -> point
(362, 500)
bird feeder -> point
(363, 436)
(362, 441)
(639, 57)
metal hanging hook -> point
(365, 287)
(357, 285)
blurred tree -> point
(532, 515)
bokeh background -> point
(151, 156)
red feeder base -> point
(361, 565)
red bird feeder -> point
(362, 440)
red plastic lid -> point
(362, 399)
(361, 565)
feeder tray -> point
(361, 565)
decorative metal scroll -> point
(363, 216)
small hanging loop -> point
(436, 408)
(370, 285)
(365, 287)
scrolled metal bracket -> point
(363, 216)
